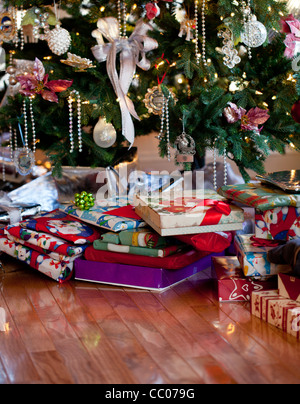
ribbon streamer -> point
(132, 53)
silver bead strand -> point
(120, 18)
(25, 126)
(79, 130)
(197, 33)
(70, 102)
(32, 125)
(225, 167)
(215, 170)
(168, 128)
(11, 144)
(79, 122)
(203, 34)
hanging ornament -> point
(185, 146)
(8, 26)
(231, 56)
(187, 28)
(254, 33)
(105, 134)
(154, 99)
(80, 64)
(152, 10)
(132, 53)
(24, 161)
(59, 40)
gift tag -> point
(24, 161)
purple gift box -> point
(136, 276)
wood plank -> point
(138, 361)
(99, 349)
(228, 358)
(14, 357)
(191, 349)
(177, 369)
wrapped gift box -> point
(278, 224)
(232, 285)
(136, 276)
(190, 214)
(277, 310)
(259, 196)
(259, 300)
(293, 322)
(100, 216)
(254, 260)
(289, 286)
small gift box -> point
(254, 260)
(190, 213)
(232, 285)
(278, 311)
(259, 301)
(135, 276)
(278, 224)
(289, 286)
(293, 322)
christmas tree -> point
(218, 69)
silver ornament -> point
(59, 40)
(254, 33)
(24, 161)
(105, 134)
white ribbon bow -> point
(132, 53)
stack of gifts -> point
(132, 252)
(50, 243)
(277, 213)
(281, 307)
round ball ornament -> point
(59, 40)
(296, 111)
(105, 134)
(254, 34)
(84, 201)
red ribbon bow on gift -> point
(260, 242)
(213, 215)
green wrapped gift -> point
(259, 196)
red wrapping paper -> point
(176, 261)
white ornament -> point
(254, 33)
(59, 40)
(105, 134)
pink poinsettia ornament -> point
(37, 83)
(291, 26)
(249, 120)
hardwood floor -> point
(84, 333)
